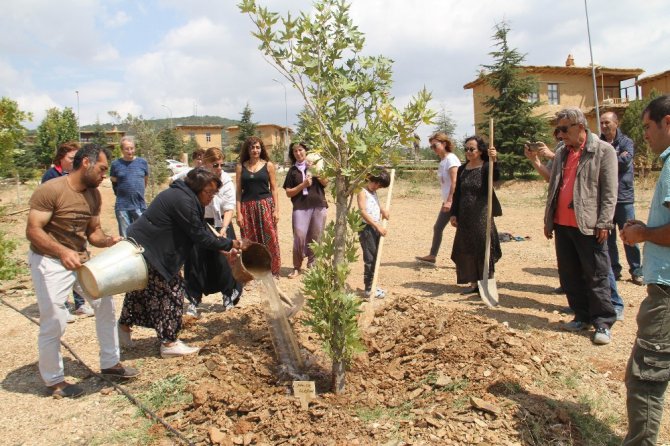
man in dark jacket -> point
(625, 209)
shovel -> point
(488, 291)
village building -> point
(569, 86)
(659, 82)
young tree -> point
(355, 128)
(12, 132)
(56, 128)
(511, 107)
(149, 148)
(247, 127)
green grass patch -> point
(166, 392)
(570, 380)
(370, 414)
(136, 436)
(456, 385)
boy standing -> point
(372, 215)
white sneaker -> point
(192, 310)
(125, 340)
(379, 294)
(84, 311)
(178, 349)
(70, 318)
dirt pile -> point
(430, 376)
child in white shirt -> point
(372, 215)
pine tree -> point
(511, 108)
(247, 127)
(445, 123)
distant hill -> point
(165, 122)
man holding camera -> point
(625, 209)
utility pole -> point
(78, 122)
(593, 69)
(287, 141)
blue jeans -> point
(78, 300)
(126, 218)
(617, 301)
(622, 213)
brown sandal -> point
(294, 274)
(69, 391)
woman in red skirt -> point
(257, 203)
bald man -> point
(625, 210)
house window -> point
(208, 137)
(553, 95)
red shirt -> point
(565, 211)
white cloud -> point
(201, 53)
(117, 20)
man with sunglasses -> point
(648, 370)
(579, 210)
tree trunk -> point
(338, 371)
(341, 228)
(341, 209)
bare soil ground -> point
(440, 368)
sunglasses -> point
(564, 128)
(470, 149)
(434, 145)
(217, 165)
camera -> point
(533, 146)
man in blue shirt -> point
(129, 175)
(625, 208)
(648, 370)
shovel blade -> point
(488, 292)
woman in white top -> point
(446, 174)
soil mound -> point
(430, 376)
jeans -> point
(648, 370)
(583, 270)
(126, 218)
(369, 238)
(438, 229)
(622, 213)
(78, 300)
(617, 301)
(52, 284)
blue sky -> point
(161, 56)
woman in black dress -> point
(468, 215)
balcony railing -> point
(615, 101)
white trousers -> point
(53, 283)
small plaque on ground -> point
(304, 391)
